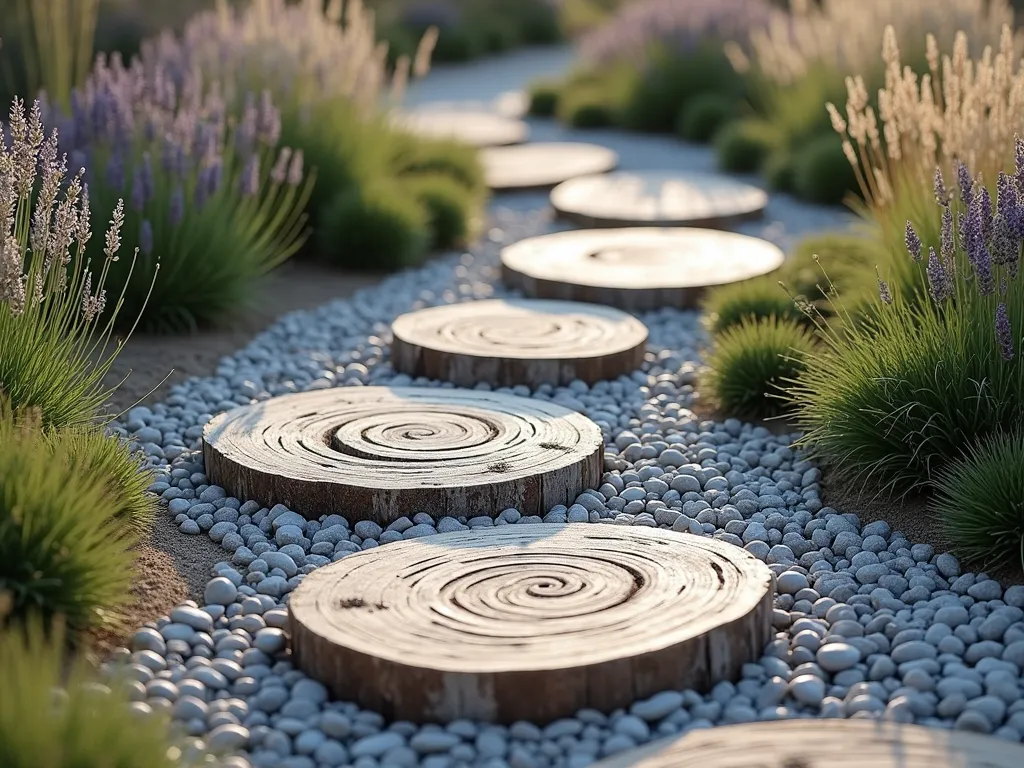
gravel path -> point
(870, 622)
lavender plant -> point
(213, 201)
(654, 56)
(815, 52)
(328, 76)
(55, 318)
(673, 26)
(898, 394)
(960, 109)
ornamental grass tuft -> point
(727, 306)
(750, 362)
(812, 54)
(54, 713)
(378, 226)
(55, 316)
(898, 393)
(64, 547)
(979, 501)
(47, 47)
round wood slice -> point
(386, 452)
(478, 129)
(505, 342)
(637, 268)
(656, 198)
(543, 165)
(823, 744)
(530, 622)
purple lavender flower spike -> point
(963, 177)
(280, 170)
(146, 237)
(215, 174)
(977, 252)
(937, 282)
(941, 193)
(947, 234)
(913, 243)
(177, 209)
(1005, 246)
(883, 291)
(1018, 151)
(295, 169)
(148, 183)
(270, 121)
(115, 170)
(250, 181)
(985, 201)
(1004, 334)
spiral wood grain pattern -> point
(505, 342)
(636, 268)
(530, 621)
(657, 198)
(823, 744)
(385, 452)
(542, 165)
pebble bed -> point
(868, 623)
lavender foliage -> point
(681, 26)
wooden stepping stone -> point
(386, 452)
(543, 165)
(635, 269)
(478, 129)
(659, 199)
(823, 744)
(530, 622)
(506, 342)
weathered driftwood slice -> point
(637, 268)
(543, 165)
(823, 744)
(505, 342)
(530, 622)
(478, 129)
(384, 452)
(657, 198)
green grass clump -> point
(821, 172)
(544, 97)
(378, 226)
(64, 549)
(55, 327)
(750, 362)
(451, 208)
(743, 146)
(53, 714)
(834, 262)
(979, 501)
(585, 113)
(411, 156)
(704, 115)
(778, 171)
(669, 81)
(110, 462)
(727, 306)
